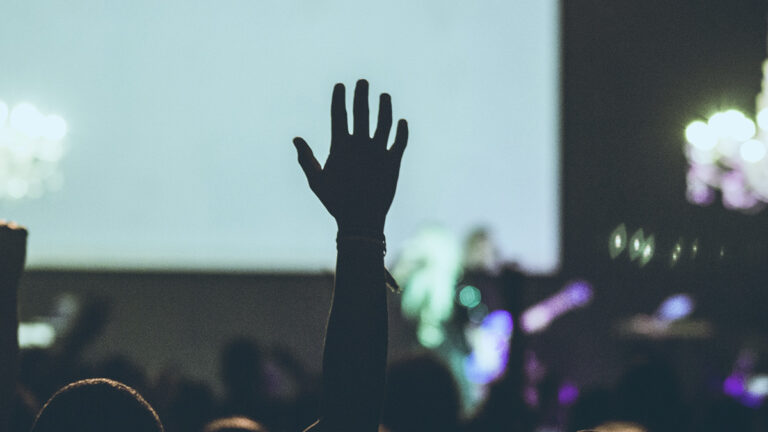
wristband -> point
(370, 238)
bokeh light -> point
(752, 151)
(617, 241)
(30, 150)
(469, 296)
(636, 242)
(649, 249)
(675, 307)
(731, 145)
(762, 119)
(700, 135)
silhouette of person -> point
(356, 185)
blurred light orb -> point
(536, 319)
(758, 386)
(676, 307)
(578, 293)
(30, 150)
(762, 119)
(617, 241)
(700, 135)
(469, 296)
(26, 119)
(430, 336)
(648, 250)
(36, 335)
(54, 128)
(752, 151)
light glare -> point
(700, 135)
(26, 119)
(752, 151)
(762, 119)
(54, 128)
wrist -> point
(362, 239)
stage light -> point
(567, 394)
(752, 151)
(675, 308)
(574, 295)
(26, 119)
(694, 248)
(677, 251)
(36, 335)
(701, 135)
(762, 119)
(30, 149)
(734, 385)
(430, 336)
(469, 296)
(617, 241)
(636, 244)
(758, 386)
(649, 248)
(490, 348)
(536, 319)
(54, 128)
(729, 142)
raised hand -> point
(13, 249)
(357, 183)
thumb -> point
(307, 160)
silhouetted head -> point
(421, 396)
(97, 405)
(241, 368)
(234, 424)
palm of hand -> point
(358, 182)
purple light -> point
(734, 385)
(489, 356)
(537, 318)
(498, 321)
(698, 191)
(579, 292)
(675, 307)
(736, 196)
(531, 396)
(568, 393)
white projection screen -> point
(180, 116)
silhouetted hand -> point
(357, 183)
(13, 249)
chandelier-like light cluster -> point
(30, 150)
(728, 153)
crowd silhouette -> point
(44, 391)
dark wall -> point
(634, 75)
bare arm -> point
(356, 185)
(13, 246)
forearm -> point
(9, 348)
(354, 360)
